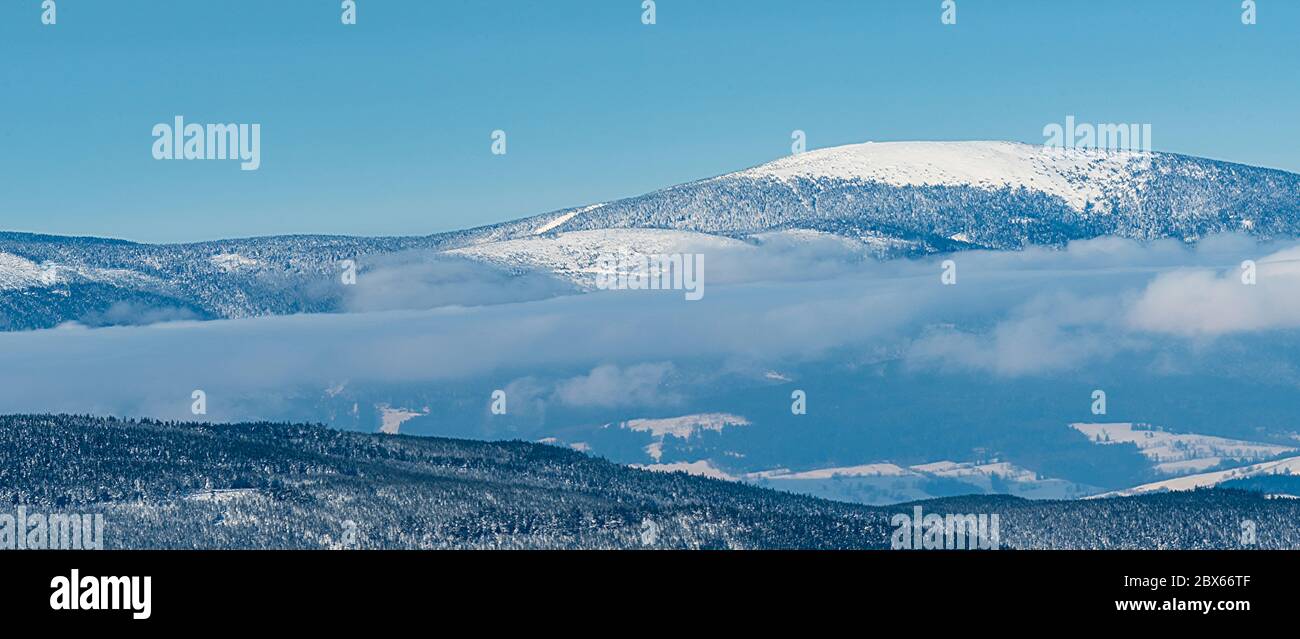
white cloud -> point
(423, 279)
(1204, 302)
(610, 386)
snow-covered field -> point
(685, 426)
(950, 469)
(1289, 466)
(1180, 453)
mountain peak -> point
(1078, 176)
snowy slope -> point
(976, 473)
(576, 255)
(883, 469)
(1289, 466)
(1180, 453)
(18, 273)
(950, 469)
(1077, 176)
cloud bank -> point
(1028, 313)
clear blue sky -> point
(383, 128)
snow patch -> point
(222, 494)
(391, 419)
(655, 450)
(18, 272)
(231, 262)
(702, 468)
(561, 219)
(685, 426)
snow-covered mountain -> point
(889, 199)
(942, 195)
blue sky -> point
(384, 127)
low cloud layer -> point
(1204, 302)
(126, 313)
(1011, 314)
(423, 280)
(610, 386)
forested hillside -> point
(262, 485)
